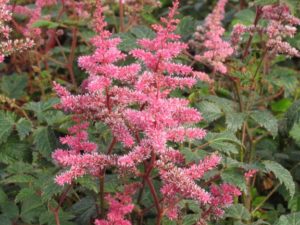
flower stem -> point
(121, 12)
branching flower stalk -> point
(134, 102)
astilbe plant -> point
(134, 101)
(281, 24)
(244, 63)
(213, 50)
(7, 45)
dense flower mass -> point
(134, 102)
(8, 46)
(213, 49)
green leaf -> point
(210, 111)
(10, 209)
(295, 132)
(24, 127)
(283, 220)
(292, 116)
(294, 5)
(48, 218)
(190, 204)
(282, 174)
(224, 104)
(39, 108)
(112, 184)
(24, 194)
(85, 210)
(148, 17)
(284, 77)
(265, 2)
(4, 220)
(3, 196)
(32, 208)
(53, 117)
(234, 177)
(238, 212)
(18, 178)
(266, 120)
(224, 142)
(7, 120)
(142, 32)
(192, 156)
(128, 42)
(260, 222)
(291, 219)
(13, 86)
(186, 27)
(44, 141)
(50, 189)
(245, 17)
(20, 167)
(45, 23)
(89, 183)
(294, 203)
(234, 121)
(224, 147)
(281, 105)
(190, 219)
(14, 150)
(167, 221)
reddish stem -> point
(52, 41)
(57, 221)
(60, 201)
(257, 18)
(121, 12)
(155, 198)
(243, 4)
(72, 56)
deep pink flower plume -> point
(134, 101)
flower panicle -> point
(135, 103)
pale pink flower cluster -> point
(239, 30)
(134, 102)
(8, 46)
(281, 24)
(213, 49)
